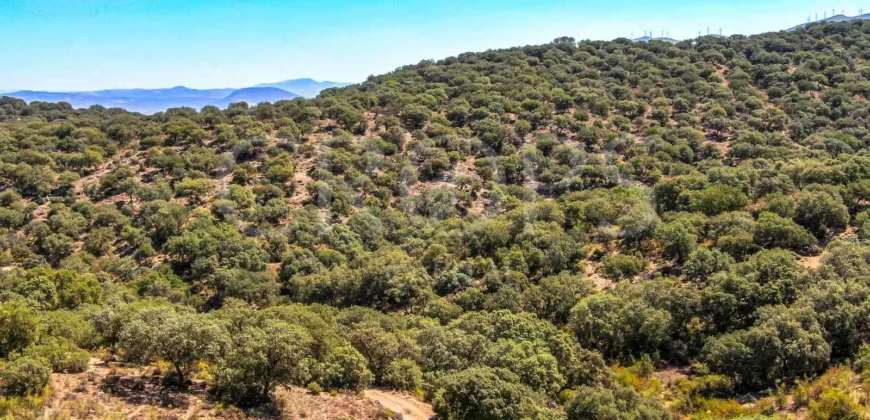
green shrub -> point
(776, 232)
(485, 394)
(718, 199)
(19, 326)
(403, 375)
(344, 368)
(862, 359)
(61, 354)
(618, 267)
(25, 375)
(821, 211)
(620, 403)
(70, 325)
(835, 404)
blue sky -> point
(101, 44)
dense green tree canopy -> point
(517, 233)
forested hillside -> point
(576, 230)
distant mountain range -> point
(255, 95)
(307, 88)
(149, 101)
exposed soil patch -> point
(115, 391)
(811, 263)
(409, 407)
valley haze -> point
(149, 101)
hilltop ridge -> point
(832, 19)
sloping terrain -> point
(646, 230)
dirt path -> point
(410, 407)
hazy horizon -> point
(4, 90)
(85, 45)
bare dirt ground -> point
(297, 403)
(723, 146)
(811, 263)
(111, 391)
(114, 391)
(409, 407)
(669, 375)
(590, 271)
